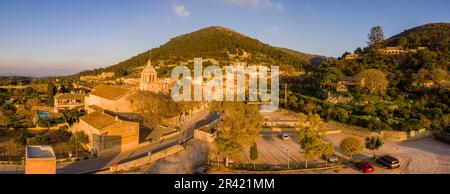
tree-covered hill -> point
(435, 36)
(405, 91)
(216, 45)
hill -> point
(413, 87)
(435, 36)
(216, 45)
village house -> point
(343, 85)
(108, 133)
(112, 98)
(68, 101)
(351, 57)
(106, 75)
(398, 50)
(40, 160)
(90, 78)
(129, 81)
(392, 50)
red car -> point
(365, 167)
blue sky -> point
(58, 37)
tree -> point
(373, 80)
(327, 151)
(41, 140)
(21, 140)
(77, 140)
(440, 77)
(147, 105)
(311, 144)
(310, 136)
(374, 143)
(311, 107)
(254, 154)
(351, 146)
(71, 116)
(376, 35)
(51, 92)
(239, 127)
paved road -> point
(88, 166)
(187, 130)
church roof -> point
(110, 92)
(149, 68)
(98, 119)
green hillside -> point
(216, 45)
(407, 91)
(435, 36)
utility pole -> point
(287, 151)
(285, 95)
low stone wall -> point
(443, 137)
(147, 159)
(204, 136)
(170, 135)
(388, 135)
(232, 171)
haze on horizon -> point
(53, 37)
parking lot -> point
(274, 151)
(416, 156)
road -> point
(98, 164)
(187, 130)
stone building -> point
(108, 133)
(351, 56)
(106, 75)
(40, 160)
(68, 101)
(112, 98)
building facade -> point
(112, 98)
(108, 133)
(68, 101)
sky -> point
(62, 37)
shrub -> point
(41, 140)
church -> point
(149, 79)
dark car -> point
(202, 170)
(388, 161)
(365, 167)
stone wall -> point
(147, 159)
(204, 136)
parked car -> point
(285, 137)
(333, 159)
(365, 167)
(388, 161)
(201, 170)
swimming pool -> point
(44, 115)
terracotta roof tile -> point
(110, 92)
